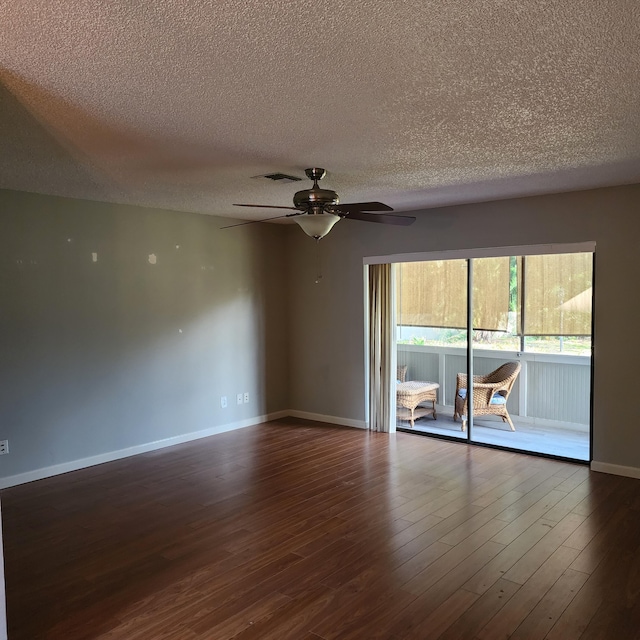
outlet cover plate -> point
(4, 447)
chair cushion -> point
(497, 397)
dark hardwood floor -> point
(293, 530)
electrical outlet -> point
(246, 396)
(4, 447)
(223, 402)
(239, 398)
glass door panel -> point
(431, 336)
(532, 351)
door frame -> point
(469, 255)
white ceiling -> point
(416, 103)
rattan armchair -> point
(402, 372)
(490, 393)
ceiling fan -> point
(317, 209)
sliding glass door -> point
(530, 354)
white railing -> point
(551, 389)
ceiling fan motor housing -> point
(321, 198)
(315, 199)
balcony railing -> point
(552, 389)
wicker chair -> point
(490, 393)
(402, 372)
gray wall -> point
(93, 359)
(327, 341)
(102, 356)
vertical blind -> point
(380, 344)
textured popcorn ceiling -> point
(417, 103)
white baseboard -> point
(75, 465)
(83, 463)
(615, 469)
(319, 417)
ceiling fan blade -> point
(241, 224)
(264, 206)
(381, 218)
(365, 206)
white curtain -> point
(380, 347)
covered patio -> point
(549, 404)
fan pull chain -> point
(319, 261)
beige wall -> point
(327, 339)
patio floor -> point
(556, 441)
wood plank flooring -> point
(294, 530)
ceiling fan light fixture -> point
(317, 225)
